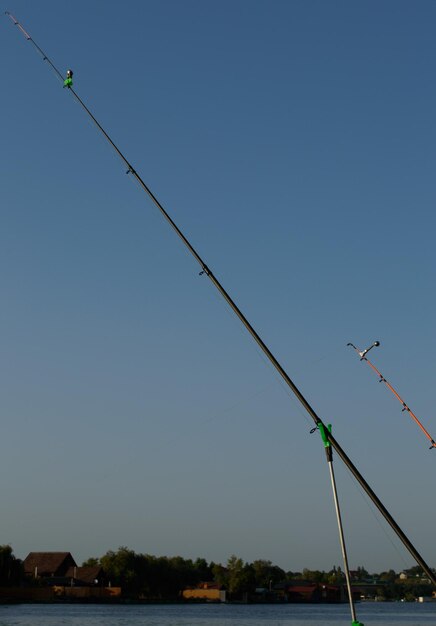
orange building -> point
(206, 591)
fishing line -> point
(376, 517)
(218, 416)
(206, 271)
(265, 362)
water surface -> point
(371, 614)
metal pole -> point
(341, 538)
(329, 454)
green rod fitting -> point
(324, 437)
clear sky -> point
(293, 142)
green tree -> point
(389, 576)
(235, 568)
(120, 568)
(293, 575)
(181, 574)
(335, 576)
(362, 574)
(220, 574)
(241, 577)
(266, 574)
(11, 568)
(415, 572)
(203, 570)
(315, 576)
(91, 562)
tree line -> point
(164, 578)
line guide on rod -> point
(206, 270)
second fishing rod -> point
(382, 379)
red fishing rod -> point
(382, 379)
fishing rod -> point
(205, 270)
(382, 379)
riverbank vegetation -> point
(163, 578)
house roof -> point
(85, 574)
(47, 563)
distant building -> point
(48, 564)
(61, 579)
(205, 591)
(88, 576)
(301, 591)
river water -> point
(371, 614)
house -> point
(48, 564)
(304, 591)
(206, 592)
(86, 576)
(58, 578)
(301, 591)
(59, 568)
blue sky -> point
(293, 144)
